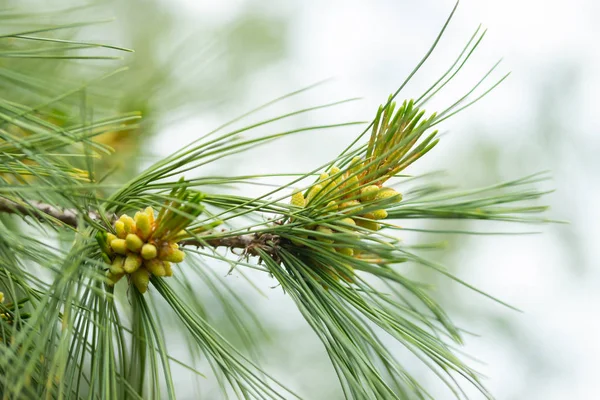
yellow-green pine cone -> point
(369, 215)
(297, 199)
(156, 267)
(176, 256)
(347, 221)
(149, 251)
(119, 246)
(142, 222)
(168, 270)
(380, 214)
(134, 243)
(368, 193)
(331, 206)
(355, 165)
(313, 192)
(350, 185)
(129, 223)
(388, 194)
(113, 278)
(371, 225)
(181, 234)
(323, 176)
(110, 237)
(345, 251)
(141, 279)
(353, 206)
(116, 267)
(132, 263)
(338, 180)
(326, 231)
(346, 225)
(120, 228)
(150, 212)
(1, 297)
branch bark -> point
(250, 243)
(41, 211)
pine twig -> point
(41, 211)
(250, 243)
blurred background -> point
(199, 64)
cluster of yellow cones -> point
(345, 192)
(134, 250)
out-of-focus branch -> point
(42, 211)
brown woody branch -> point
(250, 243)
(42, 211)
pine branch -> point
(250, 243)
(41, 211)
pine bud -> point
(345, 251)
(351, 184)
(134, 243)
(113, 278)
(380, 214)
(352, 206)
(119, 246)
(176, 256)
(368, 193)
(132, 263)
(347, 221)
(168, 270)
(149, 251)
(331, 206)
(371, 225)
(345, 224)
(110, 237)
(326, 231)
(156, 267)
(142, 222)
(141, 279)
(313, 192)
(129, 223)
(356, 164)
(150, 212)
(297, 199)
(120, 228)
(335, 172)
(388, 194)
(116, 268)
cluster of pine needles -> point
(331, 238)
